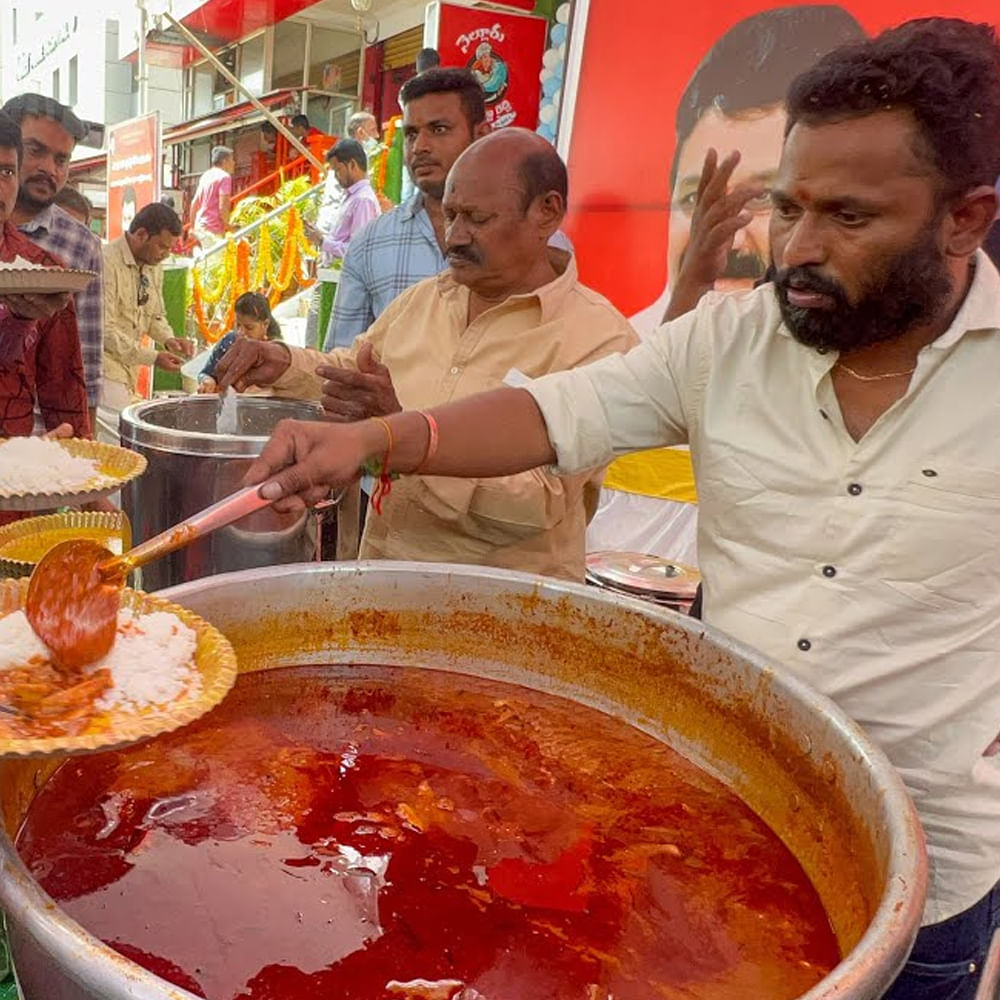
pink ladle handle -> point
(232, 508)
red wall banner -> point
(630, 180)
(503, 50)
(133, 170)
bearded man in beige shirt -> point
(508, 309)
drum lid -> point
(639, 573)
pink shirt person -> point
(210, 207)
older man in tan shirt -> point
(508, 309)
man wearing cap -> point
(49, 133)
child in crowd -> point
(253, 320)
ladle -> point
(74, 591)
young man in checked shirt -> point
(49, 133)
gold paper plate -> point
(43, 280)
(214, 659)
(115, 467)
(23, 543)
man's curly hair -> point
(944, 71)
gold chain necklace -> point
(873, 378)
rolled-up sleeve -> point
(626, 402)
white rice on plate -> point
(36, 465)
(20, 263)
(152, 662)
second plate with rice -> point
(112, 468)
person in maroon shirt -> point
(40, 360)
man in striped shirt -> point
(49, 133)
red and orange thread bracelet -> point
(381, 469)
(432, 439)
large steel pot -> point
(789, 752)
(190, 466)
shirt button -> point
(454, 370)
(930, 473)
(824, 414)
(805, 645)
(830, 571)
(854, 489)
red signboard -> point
(653, 87)
(133, 170)
(503, 50)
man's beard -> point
(907, 292)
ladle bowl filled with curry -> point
(451, 783)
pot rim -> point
(866, 971)
(138, 432)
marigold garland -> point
(243, 269)
(383, 166)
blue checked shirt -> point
(76, 246)
(390, 254)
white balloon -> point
(546, 74)
(547, 114)
(550, 58)
(556, 99)
(562, 14)
(561, 51)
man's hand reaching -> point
(305, 460)
(252, 362)
(356, 395)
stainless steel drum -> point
(793, 757)
(191, 465)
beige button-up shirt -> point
(125, 320)
(534, 521)
(870, 568)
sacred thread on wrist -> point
(384, 485)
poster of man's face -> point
(641, 125)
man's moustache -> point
(802, 279)
(743, 265)
(35, 178)
(463, 253)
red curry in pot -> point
(371, 833)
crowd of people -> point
(839, 413)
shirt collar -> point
(39, 221)
(550, 297)
(9, 239)
(980, 310)
(411, 208)
(126, 252)
(358, 186)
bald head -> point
(504, 198)
(517, 159)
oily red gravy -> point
(374, 833)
